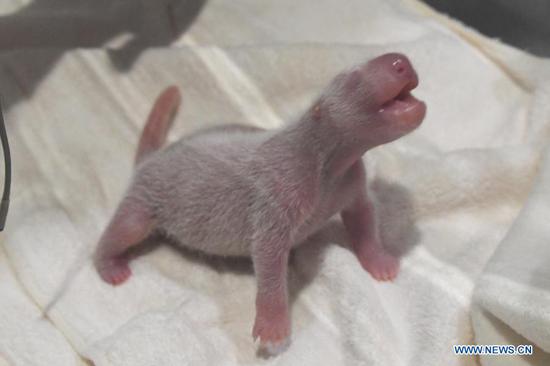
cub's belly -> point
(211, 226)
(214, 244)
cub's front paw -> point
(380, 264)
(273, 333)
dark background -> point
(521, 23)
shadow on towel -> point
(55, 26)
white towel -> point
(452, 197)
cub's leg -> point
(272, 324)
(131, 224)
(360, 222)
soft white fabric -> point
(453, 197)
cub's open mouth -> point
(404, 106)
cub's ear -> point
(316, 111)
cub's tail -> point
(158, 123)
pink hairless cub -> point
(238, 190)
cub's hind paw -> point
(113, 270)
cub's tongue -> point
(402, 100)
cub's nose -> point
(398, 65)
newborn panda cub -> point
(236, 190)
